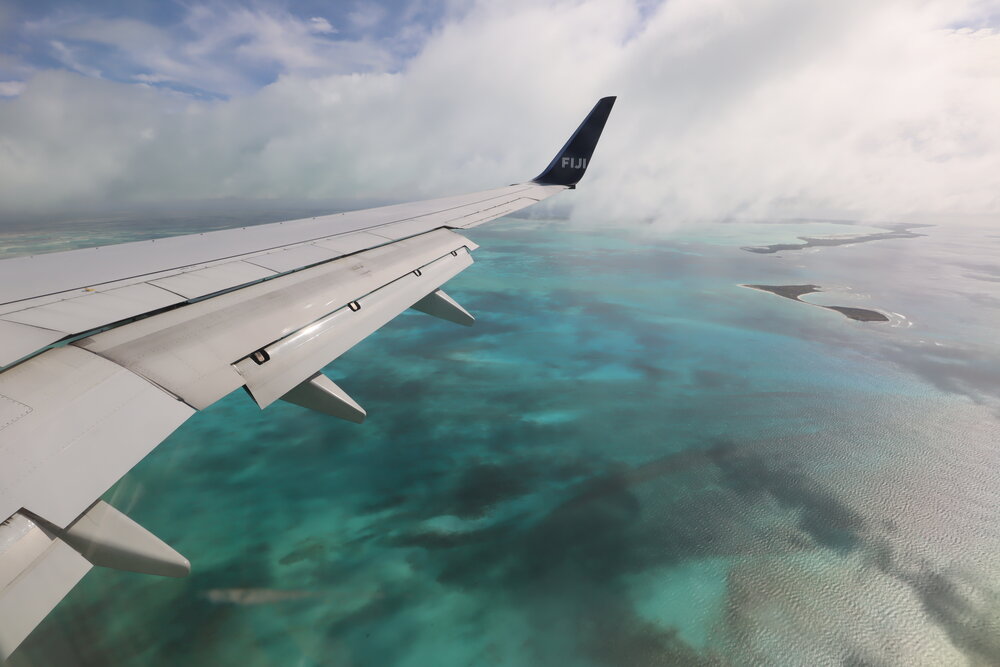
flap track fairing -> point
(321, 394)
(439, 304)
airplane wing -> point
(105, 351)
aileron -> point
(20, 340)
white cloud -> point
(752, 108)
(320, 25)
(68, 57)
(218, 48)
(366, 15)
(12, 88)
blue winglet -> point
(569, 165)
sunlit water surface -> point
(628, 460)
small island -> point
(895, 231)
(794, 292)
(859, 314)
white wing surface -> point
(106, 351)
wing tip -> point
(570, 163)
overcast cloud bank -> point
(756, 108)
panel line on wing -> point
(41, 272)
(189, 351)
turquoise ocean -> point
(630, 459)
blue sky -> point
(727, 108)
(214, 49)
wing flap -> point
(88, 422)
(189, 351)
(294, 359)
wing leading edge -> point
(104, 352)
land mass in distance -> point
(794, 292)
(900, 231)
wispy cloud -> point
(219, 49)
(12, 88)
(69, 58)
(367, 15)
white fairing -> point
(106, 537)
(439, 304)
(321, 394)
